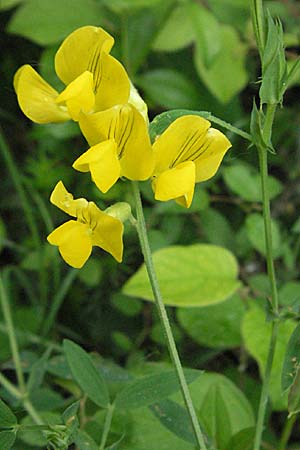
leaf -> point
(128, 6)
(47, 23)
(169, 88)
(38, 371)
(216, 326)
(7, 4)
(222, 408)
(226, 75)
(84, 442)
(244, 181)
(33, 436)
(152, 388)
(196, 275)
(294, 396)
(256, 333)
(175, 418)
(7, 417)
(161, 122)
(217, 229)
(243, 440)
(85, 374)
(289, 294)
(7, 439)
(256, 234)
(176, 32)
(291, 362)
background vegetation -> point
(198, 55)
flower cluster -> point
(113, 118)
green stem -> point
(107, 424)
(32, 412)
(263, 163)
(10, 387)
(144, 242)
(287, 432)
(12, 336)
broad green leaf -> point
(7, 439)
(226, 76)
(161, 122)
(289, 294)
(126, 6)
(256, 332)
(84, 442)
(294, 396)
(175, 418)
(152, 388)
(222, 408)
(7, 417)
(256, 234)
(47, 23)
(169, 88)
(217, 229)
(207, 32)
(244, 181)
(196, 275)
(35, 437)
(176, 33)
(291, 362)
(243, 440)
(215, 325)
(85, 374)
(232, 12)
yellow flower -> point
(94, 79)
(187, 152)
(120, 146)
(76, 238)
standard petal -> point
(37, 99)
(74, 242)
(103, 163)
(182, 138)
(214, 149)
(111, 83)
(61, 198)
(78, 95)
(108, 232)
(176, 183)
(80, 51)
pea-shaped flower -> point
(187, 152)
(94, 79)
(92, 227)
(120, 146)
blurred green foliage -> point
(189, 54)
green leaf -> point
(289, 294)
(217, 229)
(84, 442)
(7, 417)
(152, 388)
(244, 181)
(256, 234)
(38, 371)
(226, 76)
(207, 32)
(243, 440)
(47, 23)
(169, 88)
(176, 32)
(7, 439)
(291, 362)
(126, 6)
(294, 396)
(35, 437)
(256, 333)
(7, 4)
(222, 408)
(85, 374)
(175, 418)
(196, 275)
(216, 326)
(161, 122)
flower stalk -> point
(144, 242)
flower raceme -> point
(120, 146)
(187, 152)
(92, 227)
(94, 79)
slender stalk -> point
(263, 163)
(12, 336)
(32, 412)
(10, 387)
(107, 424)
(286, 433)
(144, 242)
